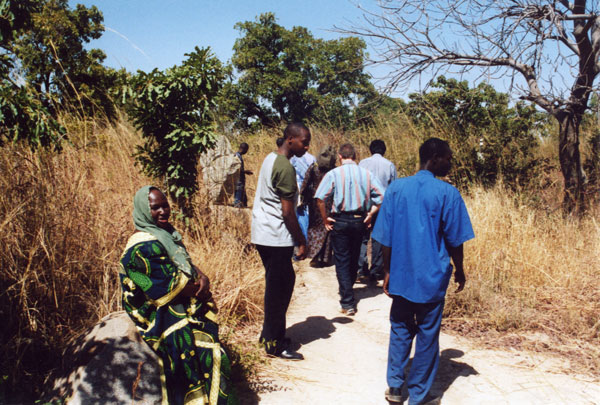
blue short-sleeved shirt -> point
(420, 216)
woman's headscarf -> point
(326, 158)
(170, 239)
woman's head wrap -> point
(169, 238)
(326, 158)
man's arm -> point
(370, 214)
(387, 255)
(290, 220)
(456, 253)
(327, 221)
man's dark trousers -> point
(409, 319)
(376, 271)
(346, 238)
(279, 286)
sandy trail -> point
(346, 357)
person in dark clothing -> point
(240, 197)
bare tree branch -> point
(549, 49)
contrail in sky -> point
(137, 48)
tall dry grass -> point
(65, 219)
(531, 272)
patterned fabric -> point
(317, 234)
(182, 331)
(353, 188)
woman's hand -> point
(190, 290)
(203, 284)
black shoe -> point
(289, 355)
(393, 394)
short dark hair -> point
(377, 146)
(432, 147)
(294, 129)
(347, 151)
(279, 142)
(244, 145)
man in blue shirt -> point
(357, 195)
(422, 224)
(385, 171)
(301, 165)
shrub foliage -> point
(172, 110)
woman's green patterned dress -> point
(182, 331)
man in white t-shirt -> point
(275, 230)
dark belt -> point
(349, 214)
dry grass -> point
(66, 217)
(530, 271)
(65, 220)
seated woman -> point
(169, 301)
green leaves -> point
(290, 75)
(171, 108)
(492, 140)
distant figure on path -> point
(423, 222)
(169, 301)
(319, 241)
(240, 197)
(385, 171)
(357, 195)
(275, 228)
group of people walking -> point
(417, 225)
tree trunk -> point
(570, 162)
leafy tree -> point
(55, 63)
(290, 75)
(550, 51)
(492, 140)
(172, 109)
(22, 115)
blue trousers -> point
(302, 214)
(409, 319)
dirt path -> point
(346, 357)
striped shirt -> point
(353, 188)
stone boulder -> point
(110, 365)
(220, 171)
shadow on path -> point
(449, 370)
(313, 328)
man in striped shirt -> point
(357, 195)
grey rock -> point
(111, 365)
(220, 171)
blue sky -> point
(143, 34)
